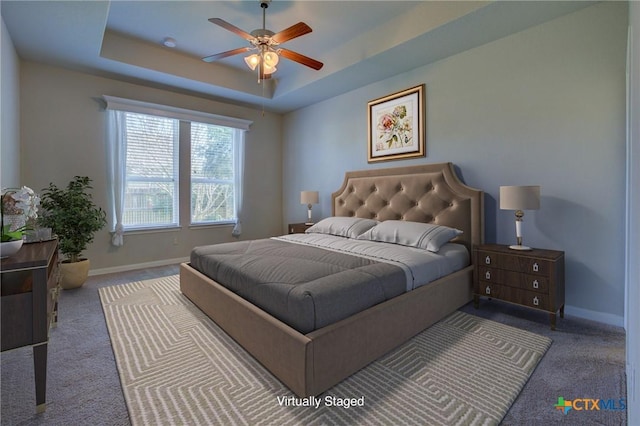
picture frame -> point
(396, 126)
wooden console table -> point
(29, 303)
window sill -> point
(212, 225)
(141, 231)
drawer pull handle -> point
(535, 284)
(487, 260)
(536, 302)
(487, 275)
(488, 290)
(535, 267)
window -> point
(212, 173)
(151, 186)
(152, 147)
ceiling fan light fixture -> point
(252, 61)
(271, 59)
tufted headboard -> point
(429, 193)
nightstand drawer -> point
(492, 275)
(488, 259)
(535, 283)
(514, 262)
(494, 290)
(515, 279)
(515, 295)
(531, 299)
(298, 228)
(525, 264)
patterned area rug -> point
(177, 367)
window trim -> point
(141, 107)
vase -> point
(73, 275)
(9, 248)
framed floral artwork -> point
(396, 125)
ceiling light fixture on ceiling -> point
(267, 43)
(267, 57)
(169, 42)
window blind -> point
(212, 173)
(151, 171)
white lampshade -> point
(309, 197)
(520, 197)
(271, 59)
(252, 61)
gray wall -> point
(544, 106)
(63, 135)
(9, 112)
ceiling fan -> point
(267, 44)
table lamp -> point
(309, 198)
(519, 198)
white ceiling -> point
(359, 42)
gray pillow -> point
(342, 226)
(414, 234)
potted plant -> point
(73, 216)
(17, 207)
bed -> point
(311, 361)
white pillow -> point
(342, 226)
(414, 234)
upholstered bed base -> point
(309, 364)
(312, 363)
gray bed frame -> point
(312, 363)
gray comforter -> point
(305, 287)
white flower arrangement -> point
(22, 203)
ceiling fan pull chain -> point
(264, 90)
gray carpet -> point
(586, 360)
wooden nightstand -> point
(533, 278)
(298, 228)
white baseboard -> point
(124, 268)
(605, 318)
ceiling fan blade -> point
(224, 24)
(292, 32)
(227, 53)
(297, 57)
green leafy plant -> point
(72, 215)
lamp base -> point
(309, 223)
(519, 247)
